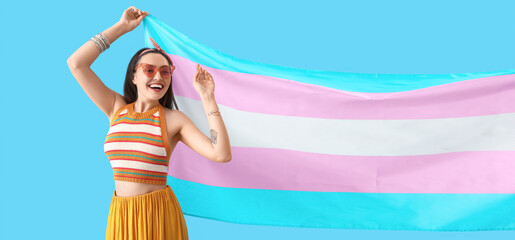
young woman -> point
(143, 132)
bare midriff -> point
(129, 189)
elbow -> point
(74, 63)
(225, 160)
(71, 63)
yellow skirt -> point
(155, 215)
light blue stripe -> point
(132, 155)
(143, 119)
(174, 42)
(134, 137)
(140, 174)
(347, 210)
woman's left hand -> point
(203, 82)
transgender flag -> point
(344, 150)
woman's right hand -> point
(131, 19)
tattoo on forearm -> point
(214, 135)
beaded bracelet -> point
(101, 42)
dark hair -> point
(130, 91)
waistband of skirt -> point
(160, 192)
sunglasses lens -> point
(165, 72)
(148, 70)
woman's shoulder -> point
(170, 111)
(173, 115)
(174, 122)
(119, 104)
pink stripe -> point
(263, 168)
(271, 95)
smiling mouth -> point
(156, 87)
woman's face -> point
(143, 82)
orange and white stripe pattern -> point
(137, 145)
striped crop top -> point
(137, 145)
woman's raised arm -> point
(80, 62)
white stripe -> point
(360, 137)
(138, 165)
(122, 112)
(124, 127)
(135, 146)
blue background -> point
(56, 182)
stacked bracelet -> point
(101, 41)
(212, 112)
